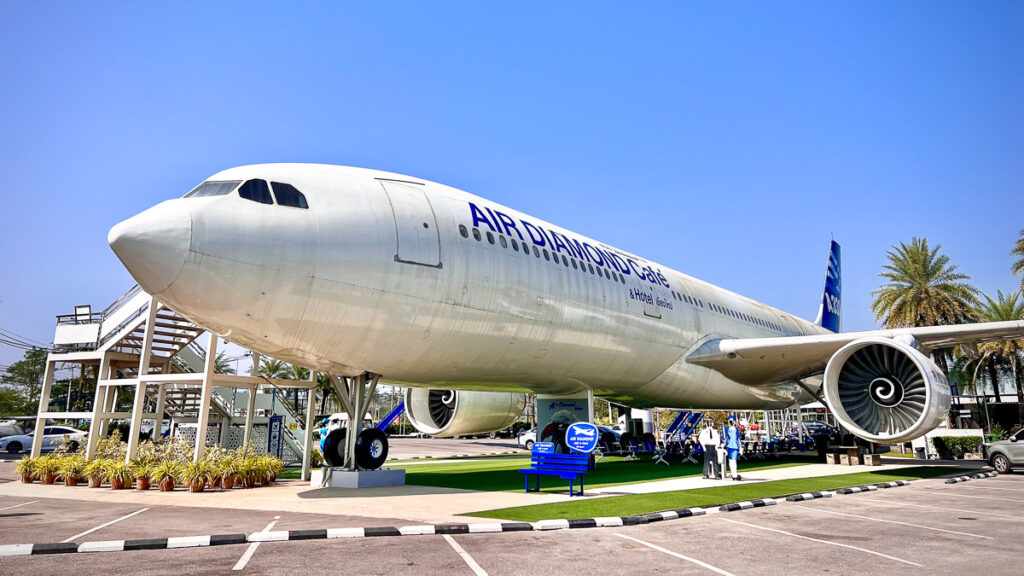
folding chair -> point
(693, 449)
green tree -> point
(1018, 264)
(1005, 354)
(273, 368)
(923, 289)
(221, 364)
(25, 378)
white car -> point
(526, 438)
(53, 437)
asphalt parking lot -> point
(929, 525)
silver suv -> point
(1006, 454)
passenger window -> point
(257, 191)
(463, 231)
(213, 189)
(546, 255)
(490, 238)
(476, 234)
(288, 195)
(515, 245)
(565, 261)
(504, 243)
(573, 264)
(536, 252)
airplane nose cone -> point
(153, 245)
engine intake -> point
(446, 413)
(885, 391)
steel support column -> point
(140, 391)
(204, 397)
(99, 405)
(44, 406)
(307, 451)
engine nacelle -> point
(446, 413)
(885, 391)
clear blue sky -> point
(730, 142)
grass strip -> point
(646, 503)
(497, 475)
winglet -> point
(830, 309)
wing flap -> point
(764, 361)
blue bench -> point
(569, 467)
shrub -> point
(118, 470)
(955, 446)
(47, 465)
(71, 466)
(111, 448)
(27, 467)
(165, 470)
(95, 468)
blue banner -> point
(275, 435)
(581, 437)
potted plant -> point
(26, 468)
(47, 468)
(93, 470)
(71, 468)
(194, 474)
(227, 470)
(118, 474)
(141, 472)
(247, 471)
(165, 474)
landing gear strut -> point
(360, 449)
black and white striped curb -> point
(857, 489)
(461, 456)
(748, 504)
(122, 545)
(978, 476)
(808, 496)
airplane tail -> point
(830, 309)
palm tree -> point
(221, 365)
(1005, 354)
(1018, 264)
(273, 368)
(923, 289)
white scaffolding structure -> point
(147, 350)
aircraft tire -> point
(371, 449)
(334, 448)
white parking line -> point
(17, 505)
(91, 530)
(987, 487)
(865, 550)
(252, 548)
(892, 505)
(976, 497)
(465, 556)
(677, 555)
(893, 522)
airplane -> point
(470, 304)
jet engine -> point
(446, 413)
(885, 390)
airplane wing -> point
(758, 361)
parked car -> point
(526, 438)
(1005, 455)
(605, 429)
(10, 428)
(53, 437)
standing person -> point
(709, 440)
(733, 446)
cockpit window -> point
(287, 195)
(213, 188)
(257, 191)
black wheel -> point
(1001, 463)
(371, 449)
(529, 444)
(73, 447)
(14, 447)
(334, 447)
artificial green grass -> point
(503, 474)
(646, 503)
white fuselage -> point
(377, 275)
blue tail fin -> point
(830, 310)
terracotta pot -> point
(116, 484)
(227, 482)
(142, 483)
(95, 481)
(27, 479)
(167, 485)
(71, 480)
(197, 485)
(49, 478)
(215, 482)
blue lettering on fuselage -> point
(499, 222)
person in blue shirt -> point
(733, 446)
